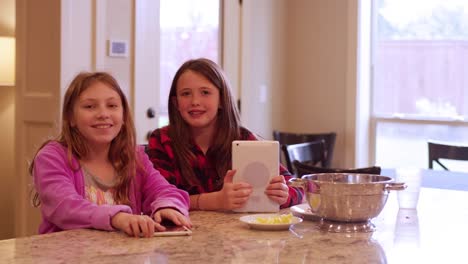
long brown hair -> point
(122, 152)
(227, 123)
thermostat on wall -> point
(118, 48)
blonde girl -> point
(94, 176)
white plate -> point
(303, 210)
(251, 220)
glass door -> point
(188, 30)
(420, 78)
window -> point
(188, 29)
(420, 78)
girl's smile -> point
(196, 113)
(102, 126)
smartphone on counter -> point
(174, 231)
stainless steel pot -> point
(346, 197)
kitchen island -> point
(434, 233)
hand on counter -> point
(173, 215)
(136, 225)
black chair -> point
(303, 169)
(286, 138)
(145, 146)
(312, 153)
(439, 150)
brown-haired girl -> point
(94, 176)
(194, 150)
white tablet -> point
(256, 162)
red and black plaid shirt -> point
(162, 155)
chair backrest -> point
(145, 146)
(303, 169)
(311, 153)
(439, 150)
(286, 138)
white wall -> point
(295, 54)
(316, 69)
(262, 65)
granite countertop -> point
(435, 233)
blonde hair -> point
(122, 151)
(228, 122)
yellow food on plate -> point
(274, 220)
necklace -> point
(99, 182)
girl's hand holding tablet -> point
(277, 189)
(233, 195)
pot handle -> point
(395, 186)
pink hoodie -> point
(62, 193)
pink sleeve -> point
(61, 202)
(158, 193)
